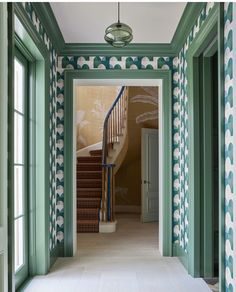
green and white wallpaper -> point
(181, 138)
(230, 184)
(109, 63)
(180, 145)
(100, 63)
(56, 179)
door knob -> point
(146, 182)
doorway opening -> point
(133, 192)
(134, 154)
(208, 145)
(161, 78)
(206, 154)
(215, 166)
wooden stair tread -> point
(88, 199)
(90, 195)
(89, 167)
(89, 171)
(89, 164)
(89, 184)
(89, 179)
(89, 175)
(89, 192)
(89, 156)
(88, 209)
(96, 152)
(87, 213)
(89, 189)
(87, 221)
(89, 159)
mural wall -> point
(143, 113)
(93, 103)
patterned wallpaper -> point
(102, 63)
(229, 144)
(181, 138)
(55, 178)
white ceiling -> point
(82, 22)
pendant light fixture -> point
(118, 34)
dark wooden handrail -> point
(110, 124)
(113, 127)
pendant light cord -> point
(118, 12)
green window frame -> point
(24, 37)
(21, 166)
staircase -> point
(115, 146)
(89, 191)
(96, 173)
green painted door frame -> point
(213, 27)
(165, 76)
(22, 273)
(30, 43)
(23, 34)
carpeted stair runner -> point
(89, 191)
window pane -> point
(18, 190)
(19, 243)
(18, 138)
(19, 86)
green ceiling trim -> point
(99, 49)
(47, 17)
(188, 19)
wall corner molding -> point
(48, 19)
(187, 20)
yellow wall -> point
(93, 103)
(143, 108)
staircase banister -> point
(105, 124)
(113, 105)
(108, 165)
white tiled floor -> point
(125, 261)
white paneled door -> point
(150, 185)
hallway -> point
(125, 261)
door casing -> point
(166, 143)
(213, 27)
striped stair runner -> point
(89, 191)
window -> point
(20, 168)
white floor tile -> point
(125, 261)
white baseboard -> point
(107, 227)
(128, 209)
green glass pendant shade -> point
(118, 34)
